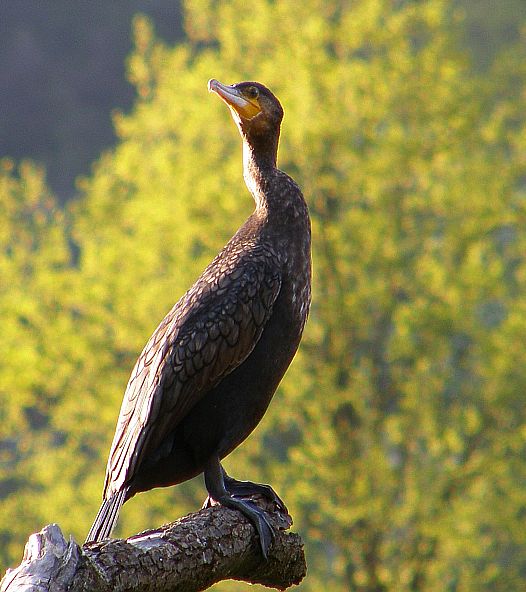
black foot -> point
(256, 516)
(227, 491)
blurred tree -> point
(491, 26)
(397, 436)
(63, 65)
(35, 369)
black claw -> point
(230, 492)
(264, 529)
(257, 516)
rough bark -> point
(186, 556)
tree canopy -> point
(397, 437)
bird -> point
(207, 375)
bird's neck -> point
(259, 166)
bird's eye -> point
(252, 92)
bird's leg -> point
(245, 488)
(215, 485)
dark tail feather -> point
(106, 517)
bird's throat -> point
(258, 168)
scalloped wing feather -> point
(207, 334)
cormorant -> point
(206, 376)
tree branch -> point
(186, 556)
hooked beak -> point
(245, 108)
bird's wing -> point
(207, 334)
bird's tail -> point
(107, 517)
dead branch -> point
(189, 555)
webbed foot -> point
(228, 492)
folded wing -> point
(207, 334)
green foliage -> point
(35, 272)
(45, 46)
(398, 434)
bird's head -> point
(256, 111)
